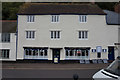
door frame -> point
(56, 49)
(111, 56)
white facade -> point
(119, 41)
(99, 34)
(11, 46)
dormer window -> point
(82, 18)
(55, 18)
(30, 18)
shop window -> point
(45, 52)
(35, 52)
(83, 53)
(66, 52)
(71, 54)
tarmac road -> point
(40, 71)
(31, 73)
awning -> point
(76, 47)
(35, 47)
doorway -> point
(111, 56)
(56, 55)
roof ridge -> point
(60, 3)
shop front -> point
(36, 53)
(77, 53)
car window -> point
(114, 68)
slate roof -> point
(8, 26)
(47, 8)
(112, 18)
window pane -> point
(66, 52)
(33, 34)
(85, 18)
(7, 53)
(57, 18)
(58, 34)
(79, 34)
(82, 34)
(54, 34)
(33, 18)
(80, 18)
(45, 53)
(51, 34)
(83, 52)
(86, 34)
(52, 18)
(5, 37)
(26, 34)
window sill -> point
(30, 39)
(82, 22)
(55, 39)
(55, 22)
(30, 22)
(83, 39)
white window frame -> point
(75, 54)
(55, 18)
(5, 53)
(5, 37)
(93, 50)
(30, 18)
(83, 18)
(82, 35)
(104, 50)
(54, 35)
(29, 34)
(38, 56)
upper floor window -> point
(30, 18)
(82, 18)
(4, 53)
(55, 34)
(5, 37)
(55, 18)
(83, 34)
(30, 34)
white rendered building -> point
(8, 40)
(65, 31)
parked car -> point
(112, 72)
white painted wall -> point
(11, 46)
(100, 34)
(119, 41)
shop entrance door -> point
(56, 55)
(111, 53)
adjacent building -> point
(8, 40)
(66, 31)
(113, 18)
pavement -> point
(50, 66)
